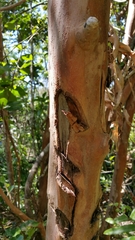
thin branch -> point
(39, 4)
(128, 89)
(28, 185)
(20, 214)
(10, 7)
(13, 208)
(17, 156)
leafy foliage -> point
(24, 99)
(123, 226)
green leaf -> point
(4, 68)
(121, 218)
(19, 46)
(25, 65)
(15, 92)
(2, 179)
(17, 232)
(21, 91)
(129, 238)
(110, 220)
(32, 223)
(132, 215)
(12, 95)
(21, 237)
(13, 106)
(23, 72)
(111, 158)
(12, 188)
(27, 57)
(30, 233)
(120, 230)
(10, 25)
(119, 1)
(3, 101)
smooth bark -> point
(130, 25)
(78, 139)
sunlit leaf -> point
(27, 57)
(129, 238)
(120, 230)
(3, 101)
(17, 232)
(23, 72)
(132, 215)
(19, 46)
(110, 220)
(10, 25)
(120, 1)
(27, 64)
(15, 93)
(121, 218)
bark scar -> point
(62, 223)
(77, 127)
(87, 35)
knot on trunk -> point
(88, 34)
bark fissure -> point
(63, 223)
(65, 169)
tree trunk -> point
(78, 140)
(130, 25)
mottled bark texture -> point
(78, 139)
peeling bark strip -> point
(78, 35)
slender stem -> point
(10, 7)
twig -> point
(10, 7)
(17, 155)
(20, 214)
(28, 185)
(14, 209)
